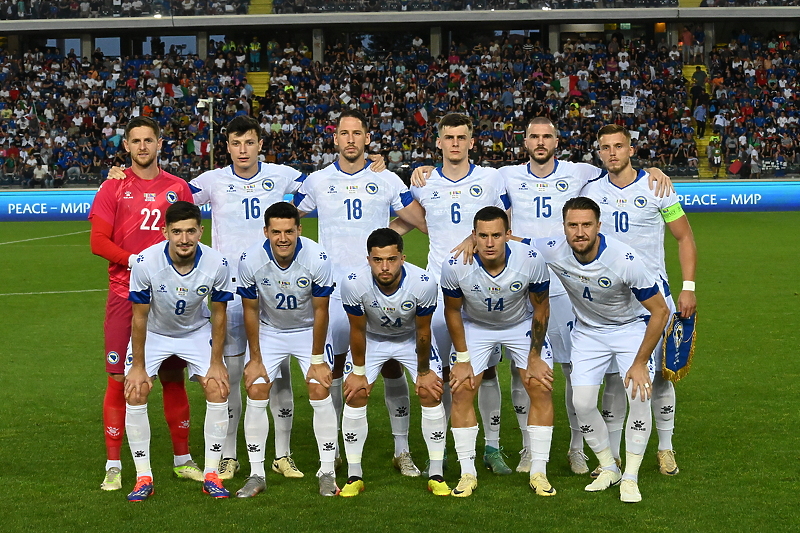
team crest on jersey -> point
(331, 189)
(181, 291)
(249, 187)
(476, 190)
(129, 359)
(172, 197)
(453, 358)
(303, 282)
(604, 282)
(149, 197)
(372, 188)
(640, 201)
(112, 358)
(408, 305)
(562, 185)
(267, 184)
(202, 290)
(516, 286)
(348, 367)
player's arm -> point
(420, 176)
(537, 367)
(414, 216)
(254, 368)
(377, 163)
(216, 370)
(461, 372)
(105, 247)
(357, 379)
(319, 370)
(426, 378)
(659, 182)
(638, 373)
(137, 382)
(687, 255)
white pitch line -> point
(47, 237)
(49, 292)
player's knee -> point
(537, 392)
(358, 399)
(426, 399)
(317, 392)
(258, 391)
(583, 401)
(464, 395)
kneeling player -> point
(390, 304)
(487, 304)
(285, 285)
(169, 285)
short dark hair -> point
(580, 203)
(241, 125)
(138, 122)
(489, 213)
(611, 129)
(541, 120)
(453, 120)
(383, 237)
(182, 210)
(353, 113)
(281, 210)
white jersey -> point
(607, 291)
(178, 301)
(238, 204)
(537, 201)
(502, 300)
(450, 207)
(390, 315)
(349, 208)
(635, 216)
(285, 295)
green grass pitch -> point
(736, 437)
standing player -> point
(606, 282)
(127, 216)
(389, 304)
(169, 286)
(638, 218)
(285, 283)
(487, 303)
(352, 201)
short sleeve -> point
(222, 291)
(200, 191)
(322, 275)
(351, 299)
(139, 282)
(449, 281)
(426, 299)
(247, 287)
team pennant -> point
(678, 347)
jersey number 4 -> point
(496, 305)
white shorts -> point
(235, 336)
(194, 348)
(338, 327)
(562, 320)
(483, 344)
(594, 350)
(402, 350)
(277, 346)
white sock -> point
(575, 435)
(592, 425)
(632, 463)
(354, 431)
(398, 403)
(541, 438)
(434, 429)
(178, 460)
(639, 424)
(615, 405)
(338, 404)
(281, 406)
(663, 401)
(522, 402)
(465, 439)
(256, 431)
(137, 427)
(489, 406)
(235, 366)
(325, 432)
(214, 429)
(115, 463)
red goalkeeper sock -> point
(114, 417)
(176, 411)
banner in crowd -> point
(705, 196)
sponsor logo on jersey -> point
(541, 187)
(640, 201)
(372, 188)
(583, 279)
(127, 196)
(604, 200)
(172, 197)
(455, 195)
(303, 282)
(435, 195)
(265, 282)
(249, 187)
(149, 197)
(231, 188)
(284, 284)
(424, 277)
(562, 185)
(267, 184)
(494, 290)
(352, 189)
(516, 286)
(476, 288)
(181, 291)
(112, 358)
(622, 202)
(476, 190)
(523, 186)
(604, 282)
(408, 305)
(389, 309)
(565, 274)
(162, 288)
(374, 304)
(202, 290)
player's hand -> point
(538, 370)
(461, 375)
(253, 370)
(639, 376)
(663, 185)
(116, 173)
(353, 384)
(378, 163)
(137, 384)
(467, 247)
(420, 176)
(219, 374)
(687, 304)
(320, 373)
(429, 381)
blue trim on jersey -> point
(471, 168)
(452, 293)
(402, 279)
(506, 200)
(406, 198)
(602, 175)
(221, 296)
(600, 250)
(251, 292)
(320, 291)
(505, 263)
(336, 165)
(194, 189)
(197, 255)
(139, 297)
(639, 175)
(555, 167)
(298, 197)
(664, 283)
(645, 294)
(268, 248)
(526, 240)
(246, 179)
(425, 311)
(539, 287)
(301, 178)
(354, 310)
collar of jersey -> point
(555, 167)
(402, 279)
(639, 175)
(471, 168)
(196, 258)
(480, 263)
(600, 250)
(246, 179)
(268, 249)
(336, 164)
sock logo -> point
(230, 413)
(253, 448)
(587, 429)
(638, 425)
(520, 409)
(350, 437)
(285, 413)
(139, 453)
(216, 447)
(437, 436)
(112, 431)
(328, 447)
(401, 411)
(607, 414)
(667, 409)
(183, 424)
(495, 420)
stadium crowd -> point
(63, 116)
